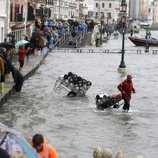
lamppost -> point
(25, 15)
(59, 9)
(123, 10)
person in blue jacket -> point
(18, 78)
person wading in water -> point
(126, 88)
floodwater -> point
(73, 125)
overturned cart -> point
(104, 101)
(73, 84)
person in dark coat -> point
(18, 78)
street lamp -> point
(25, 14)
(123, 10)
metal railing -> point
(19, 34)
(80, 38)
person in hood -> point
(18, 78)
(22, 54)
(43, 149)
(4, 154)
(126, 88)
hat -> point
(129, 76)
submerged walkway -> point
(28, 70)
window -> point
(110, 15)
(96, 5)
(110, 5)
(103, 5)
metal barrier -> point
(139, 51)
(107, 51)
(155, 51)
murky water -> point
(73, 125)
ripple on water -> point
(73, 125)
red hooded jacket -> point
(22, 52)
(126, 88)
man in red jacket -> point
(126, 88)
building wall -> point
(151, 12)
(138, 9)
(79, 10)
(143, 10)
(155, 19)
(3, 17)
(108, 7)
(18, 9)
(133, 9)
(61, 9)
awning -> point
(21, 26)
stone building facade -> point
(155, 16)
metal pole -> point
(59, 9)
(122, 63)
(25, 14)
(101, 32)
(123, 10)
(7, 22)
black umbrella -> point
(10, 34)
(75, 23)
(7, 45)
(38, 33)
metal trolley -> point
(73, 84)
(108, 101)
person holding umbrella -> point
(14, 144)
